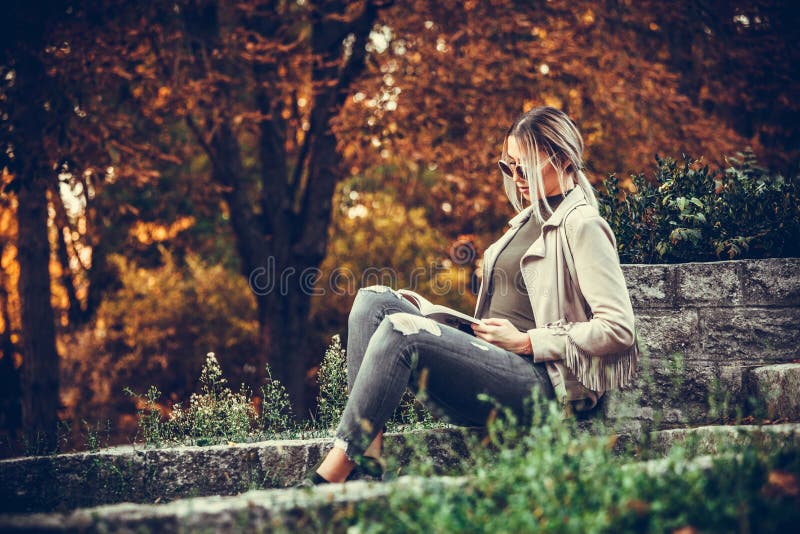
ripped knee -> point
(380, 289)
(408, 323)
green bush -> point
(546, 475)
(215, 412)
(332, 380)
(214, 415)
(691, 213)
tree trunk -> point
(40, 364)
(32, 117)
(290, 235)
(285, 329)
(299, 231)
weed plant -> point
(547, 475)
(218, 415)
(150, 426)
(540, 472)
(276, 410)
(215, 415)
(332, 379)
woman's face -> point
(549, 172)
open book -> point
(439, 313)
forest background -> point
(189, 176)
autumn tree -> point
(32, 110)
(257, 109)
(254, 86)
(739, 61)
(447, 78)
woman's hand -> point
(502, 333)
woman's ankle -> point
(375, 448)
(335, 467)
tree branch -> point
(316, 192)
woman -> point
(555, 311)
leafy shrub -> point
(276, 409)
(216, 414)
(691, 213)
(546, 475)
(332, 379)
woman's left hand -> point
(502, 333)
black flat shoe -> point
(312, 478)
(366, 468)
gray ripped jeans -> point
(389, 344)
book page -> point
(437, 312)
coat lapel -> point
(538, 248)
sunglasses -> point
(510, 171)
(516, 170)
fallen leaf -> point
(638, 506)
(782, 483)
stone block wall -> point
(703, 328)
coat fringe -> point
(602, 372)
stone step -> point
(69, 481)
(289, 510)
(127, 474)
(775, 389)
(313, 509)
(281, 510)
(712, 439)
(676, 392)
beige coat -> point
(585, 330)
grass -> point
(538, 474)
(546, 475)
(216, 414)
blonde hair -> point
(548, 132)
